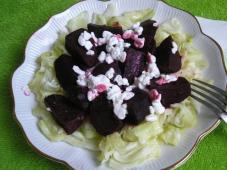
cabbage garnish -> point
(183, 114)
(118, 153)
(102, 19)
(127, 19)
(171, 135)
(142, 132)
(80, 21)
(45, 82)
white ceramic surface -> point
(77, 158)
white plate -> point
(77, 158)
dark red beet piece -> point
(102, 116)
(64, 112)
(173, 92)
(134, 65)
(64, 71)
(77, 51)
(104, 67)
(167, 61)
(148, 33)
(138, 107)
(98, 29)
(78, 96)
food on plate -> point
(118, 85)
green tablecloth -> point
(18, 20)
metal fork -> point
(211, 96)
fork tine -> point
(212, 87)
(215, 109)
(217, 103)
(217, 95)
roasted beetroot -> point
(134, 65)
(167, 61)
(138, 107)
(104, 67)
(64, 112)
(149, 31)
(64, 71)
(102, 116)
(77, 51)
(173, 92)
(98, 29)
(78, 96)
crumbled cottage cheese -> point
(84, 41)
(175, 47)
(166, 79)
(115, 94)
(110, 73)
(156, 108)
(151, 117)
(121, 81)
(144, 79)
(114, 46)
(134, 34)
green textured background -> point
(18, 20)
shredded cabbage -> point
(171, 135)
(80, 21)
(102, 19)
(133, 145)
(127, 19)
(117, 152)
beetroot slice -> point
(138, 107)
(98, 29)
(104, 67)
(77, 51)
(173, 92)
(78, 96)
(102, 116)
(64, 71)
(64, 112)
(148, 33)
(167, 61)
(134, 65)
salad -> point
(118, 85)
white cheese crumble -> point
(144, 79)
(90, 52)
(115, 94)
(48, 109)
(84, 41)
(156, 102)
(121, 81)
(166, 79)
(134, 33)
(175, 47)
(114, 46)
(110, 73)
(137, 28)
(156, 108)
(151, 117)
(157, 105)
(155, 24)
(130, 88)
(81, 79)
